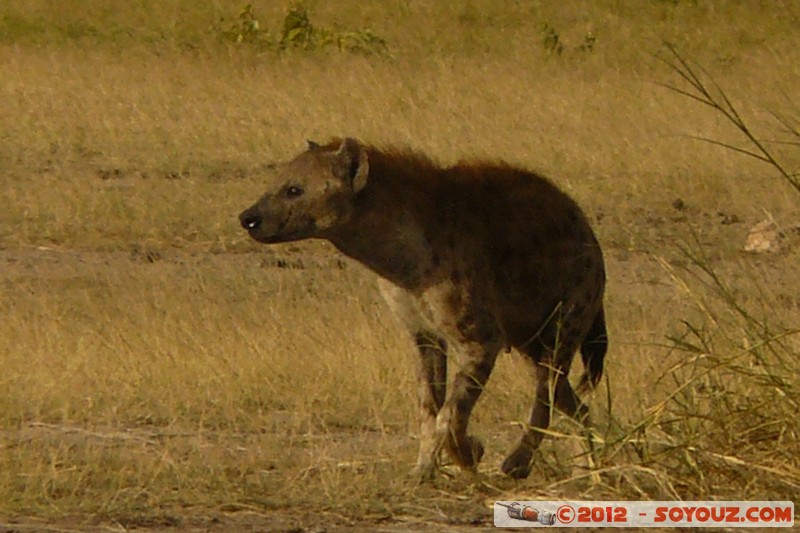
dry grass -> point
(158, 366)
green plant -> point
(298, 32)
(246, 28)
(553, 44)
(551, 41)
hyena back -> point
(474, 258)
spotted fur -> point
(474, 258)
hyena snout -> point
(250, 218)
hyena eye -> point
(293, 191)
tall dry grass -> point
(156, 367)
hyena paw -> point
(468, 452)
(423, 473)
(518, 464)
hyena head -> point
(311, 195)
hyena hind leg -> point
(553, 390)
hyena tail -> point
(593, 352)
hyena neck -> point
(387, 232)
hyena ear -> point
(353, 163)
(312, 145)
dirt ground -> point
(259, 522)
(632, 274)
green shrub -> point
(298, 32)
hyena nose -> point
(250, 219)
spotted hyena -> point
(474, 258)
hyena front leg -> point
(432, 382)
(453, 418)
